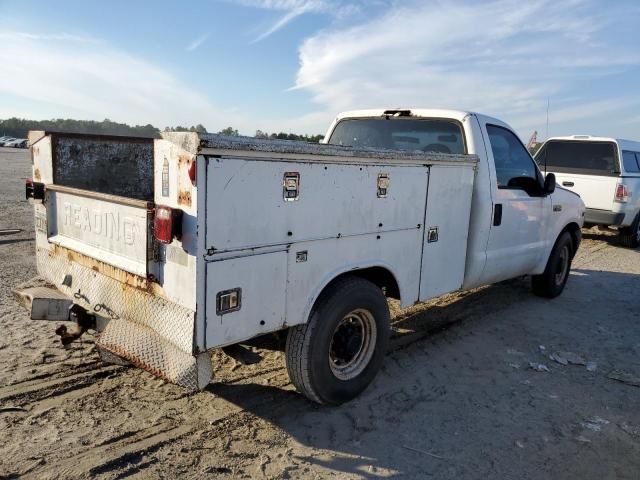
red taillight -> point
(167, 224)
(622, 193)
(192, 172)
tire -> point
(338, 352)
(630, 236)
(551, 282)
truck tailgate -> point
(596, 191)
(109, 228)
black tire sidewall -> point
(327, 386)
(632, 232)
(564, 240)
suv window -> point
(574, 156)
(514, 166)
(428, 135)
(631, 161)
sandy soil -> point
(456, 398)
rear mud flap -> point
(144, 348)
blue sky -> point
(291, 65)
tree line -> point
(19, 127)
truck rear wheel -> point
(551, 282)
(630, 236)
(337, 353)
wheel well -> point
(574, 231)
(379, 276)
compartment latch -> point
(291, 186)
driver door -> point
(519, 224)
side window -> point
(630, 161)
(514, 166)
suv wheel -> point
(630, 236)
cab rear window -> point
(631, 161)
(427, 135)
(587, 158)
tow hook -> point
(84, 321)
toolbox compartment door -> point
(260, 281)
(446, 230)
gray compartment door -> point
(262, 282)
(446, 230)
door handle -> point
(567, 184)
(497, 214)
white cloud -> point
(295, 8)
(86, 78)
(197, 42)
(503, 57)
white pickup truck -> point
(180, 245)
(605, 172)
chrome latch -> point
(291, 186)
(383, 185)
(228, 301)
(432, 234)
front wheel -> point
(337, 353)
(551, 282)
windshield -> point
(427, 135)
(588, 158)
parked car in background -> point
(6, 139)
(605, 172)
(16, 143)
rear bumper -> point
(603, 217)
(137, 325)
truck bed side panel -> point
(281, 254)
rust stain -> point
(128, 279)
(184, 198)
(135, 360)
(36, 175)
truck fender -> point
(574, 229)
(364, 270)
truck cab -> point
(605, 172)
(516, 213)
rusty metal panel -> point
(41, 159)
(115, 299)
(112, 165)
(145, 327)
(146, 349)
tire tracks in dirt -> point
(40, 388)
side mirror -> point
(549, 184)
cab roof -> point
(458, 115)
(622, 143)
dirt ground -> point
(457, 397)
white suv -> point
(605, 172)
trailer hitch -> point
(84, 321)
